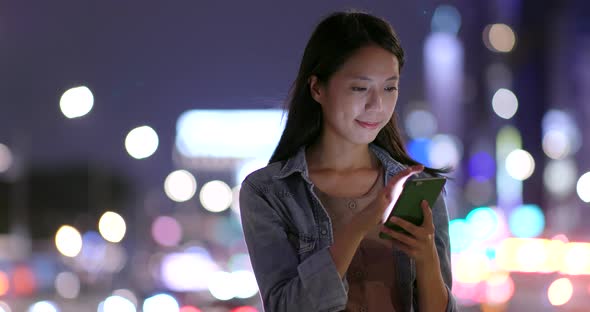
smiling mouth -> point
(368, 125)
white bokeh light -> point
(520, 164)
(68, 241)
(4, 307)
(141, 142)
(420, 124)
(222, 286)
(445, 150)
(76, 102)
(505, 103)
(161, 302)
(5, 158)
(112, 227)
(118, 304)
(559, 177)
(127, 294)
(235, 204)
(180, 185)
(556, 144)
(583, 187)
(216, 196)
(43, 306)
(246, 283)
(67, 285)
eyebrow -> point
(395, 77)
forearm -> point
(433, 295)
(346, 241)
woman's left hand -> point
(419, 243)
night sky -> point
(147, 62)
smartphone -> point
(408, 205)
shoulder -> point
(262, 178)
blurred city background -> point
(127, 126)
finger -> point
(408, 226)
(428, 222)
(404, 238)
(400, 178)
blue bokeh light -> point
(527, 221)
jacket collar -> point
(298, 163)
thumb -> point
(397, 181)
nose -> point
(375, 101)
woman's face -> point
(360, 97)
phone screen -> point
(408, 206)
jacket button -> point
(324, 232)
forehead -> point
(371, 61)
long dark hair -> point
(334, 40)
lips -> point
(368, 125)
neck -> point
(339, 155)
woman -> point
(311, 218)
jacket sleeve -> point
(285, 283)
(440, 217)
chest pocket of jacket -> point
(303, 243)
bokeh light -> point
(161, 302)
(244, 309)
(166, 231)
(189, 309)
(92, 255)
(43, 306)
(112, 227)
(188, 271)
(460, 236)
(483, 223)
(445, 150)
(247, 286)
(420, 124)
(419, 150)
(482, 166)
(576, 259)
(216, 196)
(556, 144)
(24, 282)
(527, 221)
(4, 307)
(76, 102)
(221, 285)
(141, 142)
(180, 185)
(446, 18)
(471, 267)
(561, 135)
(583, 187)
(6, 158)
(118, 304)
(499, 288)
(235, 204)
(4, 283)
(504, 103)
(559, 177)
(499, 38)
(127, 294)
(520, 165)
(68, 241)
(560, 291)
(67, 285)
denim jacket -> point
(288, 234)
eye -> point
(391, 89)
(359, 89)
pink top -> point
(371, 273)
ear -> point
(315, 88)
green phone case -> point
(408, 204)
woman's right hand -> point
(377, 211)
